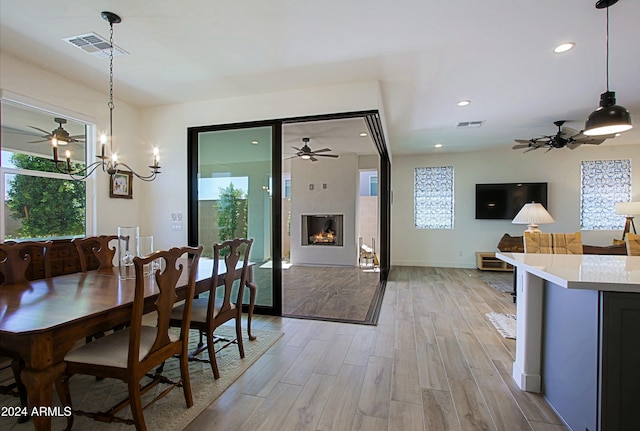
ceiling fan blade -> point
(297, 149)
(322, 150)
(568, 131)
(313, 159)
(574, 145)
(524, 141)
(520, 146)
(37, 142)
(335, 156)
(43, 131)
(530, 149)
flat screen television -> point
(503, 201)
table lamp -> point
(628, 209)
(533, 214)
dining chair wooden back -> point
(210, 312)
(130, 354)
(633, 244)
(15, 258)
(95, 248)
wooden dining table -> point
(42, 320)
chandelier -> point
(108, 162)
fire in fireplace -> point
(322, 229)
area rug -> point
(169, 413)
(504, 323)
(501, 281)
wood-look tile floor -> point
(334, 293)
(433, 362)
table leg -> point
(253, 290)
(39, 385)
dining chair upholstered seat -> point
(553, 243)
(97, 247)
(210, 312)
(633, 244)
(130, 354)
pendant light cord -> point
(110, 104)
(607, 39)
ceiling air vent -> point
(468, 124)
(94, 45)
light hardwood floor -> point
(433, 362)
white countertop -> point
(581, 271)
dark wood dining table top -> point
(41, 320)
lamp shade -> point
(628, 208)
(609, 118)
(533, 214)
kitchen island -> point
(578, 336)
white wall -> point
(560, 168)
(136, 131)
(66, 97)
(340, 197)
(167, 126)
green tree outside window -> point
(46, 207)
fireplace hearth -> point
(322, 230)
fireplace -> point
(322, 230)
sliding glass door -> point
(231, 196)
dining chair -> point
(17, 258)
(95, 248)
(130, 354)
(14, 387)
(210, 312)
(633, 244)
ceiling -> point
(426, 55)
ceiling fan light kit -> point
(609, 118)
(306, 153)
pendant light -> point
(108, 158)
(609, 118)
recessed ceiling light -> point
(563, 47)
(464, 102)
(438, 145)
(254, 142)
(363, 134)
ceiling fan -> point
(565, 137)
(61, 135)
(308, 154)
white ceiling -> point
(426, 55)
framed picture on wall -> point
(121, 185)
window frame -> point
(90, 154)
(451, 222)
(609, 208)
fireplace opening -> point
(322, 230)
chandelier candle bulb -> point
(67, 155)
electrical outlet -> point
(176, 221)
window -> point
(603, 184)
(39, 202)
(433, 200)
(373, 185)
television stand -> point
(487, 261)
